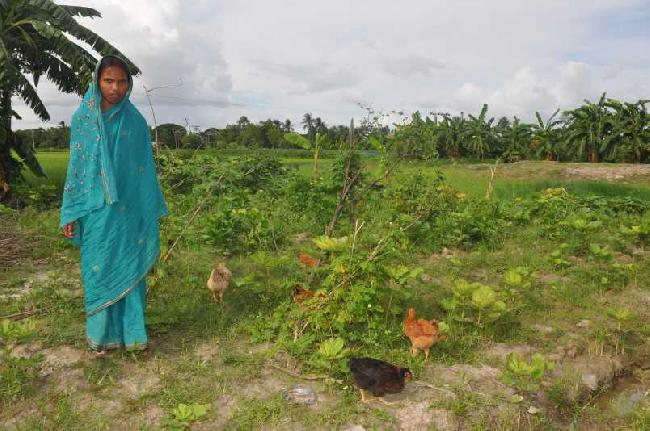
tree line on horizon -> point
(605, 131)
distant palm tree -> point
(38, 38)
(308, 124)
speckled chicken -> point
(378, 377)
(219, 281)
(422, 333)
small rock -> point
(414, 417)
(301, 395)
(584, 323)
(354, 428)
(627, 402)
(590, 381)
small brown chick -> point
(299, 295)
(422, 333)
(308, 261)
(219, 281)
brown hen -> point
(422, 333)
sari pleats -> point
(121, 324)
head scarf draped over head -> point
(90, 181)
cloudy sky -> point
(279, 59)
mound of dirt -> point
(608, 173)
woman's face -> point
(113, 84)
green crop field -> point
(541, 288)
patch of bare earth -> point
(137, 382)
(607, 172)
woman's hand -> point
(68, 230)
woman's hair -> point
(113, 61)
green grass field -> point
(511, 181)
(545, 295)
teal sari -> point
(112, 196)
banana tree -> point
(480, 133)
(589, 130)
(417, 138)
(633, 130)
(40, 38)
(315, 146)
(450, 133)
(514, 139)
(546, 136)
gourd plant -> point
(475, 303)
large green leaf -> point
(60, 18)
(298, 140)
(81, 11)
(28, 93)
(26, 153)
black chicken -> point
(378, 377)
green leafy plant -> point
(474, 302)
(620, 316)
(183, 415)
(329, 355)
(519, 278)
(625, 273)
(597, 251)
(640, 232)
(17, 331)
(558, 256)
(526, 375)
(327, 243)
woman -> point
(111, 207)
